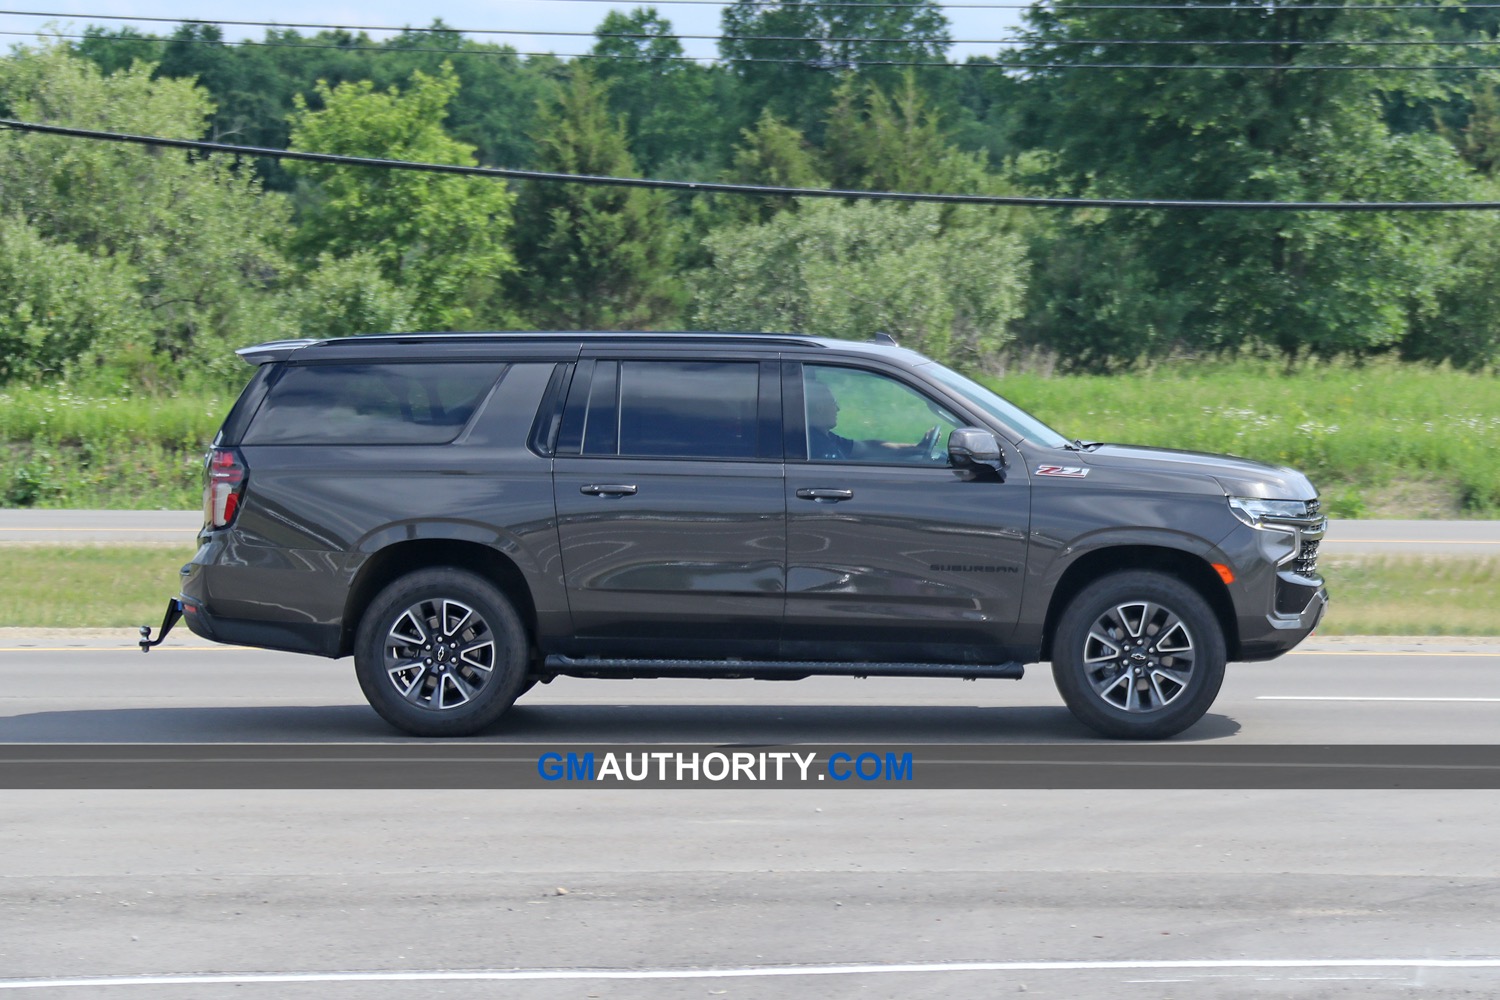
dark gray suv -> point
(468, 514)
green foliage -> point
(671, 107)
(438, 237)
(773, 154)
(852, 270)
(594, 256)
(60, 307)
(196, 233)
(1355, 429)
(1319, 283)
(347, 296)
(895, 141)
(59, 448)
(790, 52)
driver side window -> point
(859, 416)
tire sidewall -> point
(498, 693)
(1120, 588)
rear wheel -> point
(1138, 655)
(440, 652)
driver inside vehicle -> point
(822, 416)
(825, 445)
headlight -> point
(1254, 511)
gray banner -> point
(921, 766)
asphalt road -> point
(1109, 892)
(179, 528)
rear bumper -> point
(320, 640)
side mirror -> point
(975, 450)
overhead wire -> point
(975, 62)
(758, 190)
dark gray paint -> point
(715, 559)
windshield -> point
(1009, 415)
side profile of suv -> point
(469, 514)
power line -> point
(1268, 8)
(817, 63)
(757, 190)
(647, 36)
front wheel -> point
(440, 652)
(1138, 655)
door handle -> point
(825, 496)
(615, 490)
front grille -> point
(1307, 559)
(1313, 507)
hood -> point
(1235, 476)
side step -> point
(773, 670)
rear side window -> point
(372, 404)
(671, 409)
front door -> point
(891, 554)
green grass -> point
(1357, 431)
(1390, 595)
(62, 450)
(83, 587)
(77, 587)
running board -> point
(772, 670)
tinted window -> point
(371, 404)
(851, 415)
(675, 409)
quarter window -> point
(371, 404)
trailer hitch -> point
(174, 612)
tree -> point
(773, 154)
(1295, 283)
(197, 231)
(439, 237)
(61, 309)
(594, 257)
(673, 108)
(896, 142)
(789, 55)
(851, 270)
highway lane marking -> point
(746, 972)
(1357, 697)
(132, 649)
(1379, 652)
(1334, 542)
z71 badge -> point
(1065, 471)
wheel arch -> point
(400, 558)
(1191, 569)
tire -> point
(440, 652)
(1147, 626)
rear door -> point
(669, 488)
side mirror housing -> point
(975, 450)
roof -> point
(281, 350)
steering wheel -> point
(927, 447)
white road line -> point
(1378, 652)
(1357, 697)
(748, 972)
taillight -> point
(224, 475)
